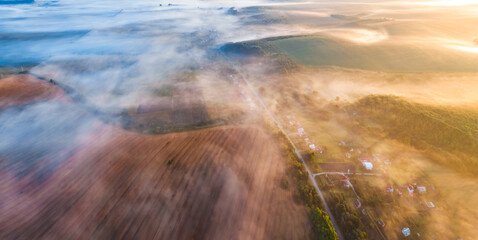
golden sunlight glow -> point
(465, 48)
(363, 36)
(450, 3)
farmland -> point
(108, 182)
(221, 183)
(21, 89)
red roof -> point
(344, 178)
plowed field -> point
(21, 89)
(219, 183)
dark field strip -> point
(220, 183)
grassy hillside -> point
(448, 135)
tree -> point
(323, 226)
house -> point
(390, 189)
(381, 222)
(406, 232)
(312, 146)
(399, 192)
(410, 189)
(421, 189)
(367, 165)
(348, 155)
(430, 204)
(346, 181)
(301, 131)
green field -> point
(384, 56)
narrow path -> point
(311, 177)
(344, 173)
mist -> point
(133, 79)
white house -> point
(367, 165)
(301, 131)
(312, 146)
(421, 189)
(406, 232)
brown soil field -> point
(218, 183)
(21, 89)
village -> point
(352, 175)
(369, 182)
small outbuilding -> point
(358, 204)
(430, 204)
(406, 232)
(421, 189)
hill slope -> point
(450, 135)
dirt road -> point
(311, 177)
